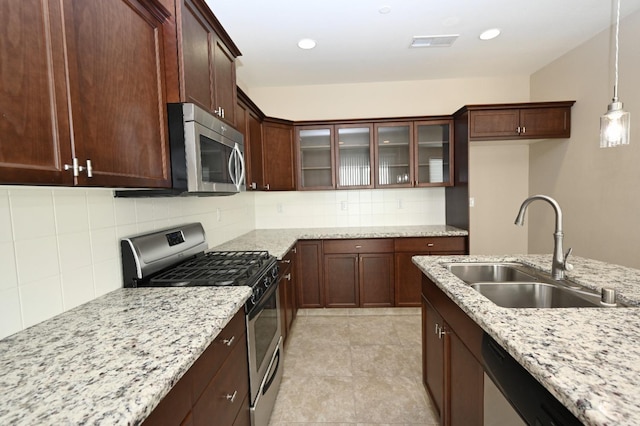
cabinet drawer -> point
(225, 395)
(214, 356)
(371, 245)
(430, 244)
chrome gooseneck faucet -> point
(559, 264)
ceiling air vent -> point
(434, 41)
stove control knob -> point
(274, 272)
(257, 292)
(266, 282)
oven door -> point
(263, 335)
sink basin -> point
(516, 285)
(535, 295)
(490, 272)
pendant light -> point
(616, 123)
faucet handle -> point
(567, 266)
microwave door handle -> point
(240, 178)
(230, 166)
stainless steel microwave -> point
(207, 155)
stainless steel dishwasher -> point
(513, 397)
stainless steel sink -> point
(490, 272)
(516, 285)
(535, 295)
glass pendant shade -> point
(615, 126)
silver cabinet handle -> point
(358, 246)
(232, 398)
(266, 187)
(442, 333)
(524, 129)
(73, 167)
(430, 244)
(89, 169)
(286, 261)
(228, 342)
(437, 330)
(288, 276)
(518, 130)
(253, 185)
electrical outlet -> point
(218, 215)
(472, 202)
(343, 205)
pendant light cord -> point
(615, 86)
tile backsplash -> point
(379, 207)
(59, 247)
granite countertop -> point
(111, 360)
(278, 241)
(588, 358)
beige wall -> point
(387, 99)
(598, 189)
(498, 183)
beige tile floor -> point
(353, 367)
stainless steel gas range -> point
(177, 257)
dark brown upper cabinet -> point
(279, 158)
(73, 111)
(539, 120)
(206, 60)
(249, 122)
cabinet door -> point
(433, 356)
(315, 157)
(494, 123)
(545, 122)
(197, 49)
(341, 281)
(393, 155)
(224, 81)
(116, 70)
(408, 282)
(434, 153)
(309, 282)
(254, 147)
(466, 377)
(354, 156)
(278, 152)
(376, 279)
(34, 124)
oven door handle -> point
(275, 364)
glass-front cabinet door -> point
(354, 156)
(315, 157)
(434, 153)
(393, 154)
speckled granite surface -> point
(589, 358)
(279, 241)
(110, 361)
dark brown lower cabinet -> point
(408, 279)
(309, 277)
(287, 292)
(358, 273)
(341, 281)
(451, 359)
(215, 390)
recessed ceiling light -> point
(490, 34)
(307, 43)
(384, 10)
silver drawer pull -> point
(288, 276)
(232, 398)
(430, 244)
(358, 246)
(286, 261)
(228, 342)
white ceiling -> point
(356, 43)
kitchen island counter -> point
(278, 241)
(111, 360)
(588, 358)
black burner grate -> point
(217, 269)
